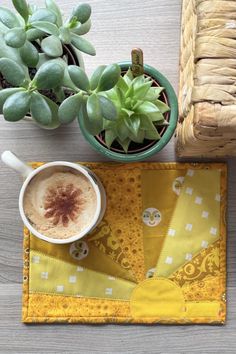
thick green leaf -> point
(79, 77)
(125, 144)
(29, 54)
(82, 44)
(109, 77)
(130, 92)
(65, 35)
(43, 15)
(5, 93)
(153, 93)
(94, 80)
(82, 13)
(52, 46)
(46, 27)
(16, 106)
(49, 75)
(21, 7)
(3, 28)
(94, 107)
(52, 6)
(162, 106)
(82, 28)
(54, 110)
(94, 114)
(8, 18)
(12, 71)
(15, 37)
(149, 128)
(118, 94)
(139, 137)
(108, 109)
(134, 124)
(138, 81)
(127, 112)
(136, 103)
(32, 8)
(128, 77)
(67, 82)
(150, 135)
(43, 58)
(141, 91)
(156, 117)
(110, 136)
(32, 34)
(12, 53)
(40, 109)
(122, 84)
(122, 130)
(89, 125)
(147, 107)
(69, 108)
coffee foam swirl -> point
(60, 204)
(63, 203)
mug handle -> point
(16, 164)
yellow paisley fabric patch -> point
(158, 256)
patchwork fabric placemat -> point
(158, 256)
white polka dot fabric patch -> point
(44, 275)
(36, 259)
(213, 231)
(108, 291)
(189, 191)
(72, 279)
(204, 244)
(171, 232)
(188, 256)
(198, 200)
(60, 288)
(169, 260)
(188, 227)
(205, 214)
(190, 173)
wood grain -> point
(117, 27)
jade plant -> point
(33, 60)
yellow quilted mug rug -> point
(158, 256)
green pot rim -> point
(160, 144)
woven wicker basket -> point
(207, 88)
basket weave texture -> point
(207, 88)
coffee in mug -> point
(60, 202)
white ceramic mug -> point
(28, 173)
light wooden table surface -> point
(153, 25)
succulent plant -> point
(89, 102)
(33, 66)
(24, 96)
(139, 111)
(45, 25)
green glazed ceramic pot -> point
(152, 148)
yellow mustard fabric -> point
(119, 272)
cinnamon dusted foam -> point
(60, 203)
